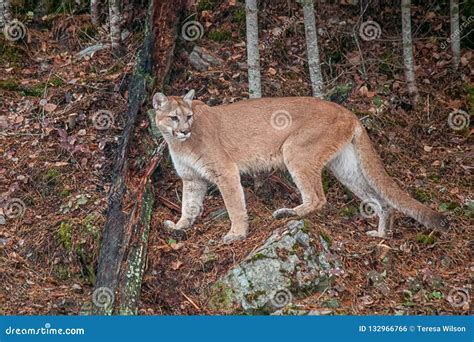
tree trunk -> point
(312, 48)
(120, 223)
(253, 55)
(2, 13)
(5, 12)
(408, 51)
(455, 32)
(125, 235)
(41, 8)
(115, 22)
(95, 12)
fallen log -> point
(125, 234)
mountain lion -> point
(304, 134)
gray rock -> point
(206, 56)
(197, 62)
(202, 60)
(296, 311)
(288, 265)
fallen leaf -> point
(175, 265)
(50, 107)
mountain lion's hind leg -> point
(194, 191)
(385, 223)
(306, 171)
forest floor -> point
(57, 160)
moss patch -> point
(51, 176)
(222, 297)
(425, 239)
(206, 5)
(65, 235)
(9, 53)
(220, 35)
(422, 195)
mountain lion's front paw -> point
(231, 237)
(375, 233)
(284, 212)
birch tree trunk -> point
(114, 20)
(312, 48)
(455, 32)
(95, 14)
(408, 51)
(253, 55)
(5, 13)
(2, 13)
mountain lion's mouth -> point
(182, 137)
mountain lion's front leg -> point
(194, 191)
(233, 195)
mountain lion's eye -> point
(189, 117)
(174, 118)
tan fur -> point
(301, 134)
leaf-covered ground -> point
(57, 159)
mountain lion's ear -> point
(160, 101)
(188, 98)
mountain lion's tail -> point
(378, 178)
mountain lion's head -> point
(174, 115)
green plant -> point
(220, 35)
(425, 239)
(51, 176)
(65, 235)
(206, 5)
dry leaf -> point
(50, 107)
(175, 265)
